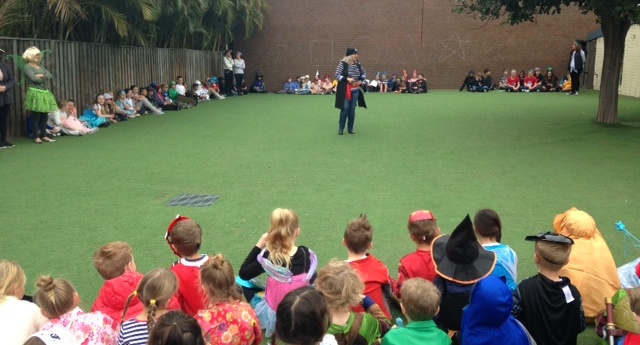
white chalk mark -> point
(452, 46)
(277, 49)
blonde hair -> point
(12, 278)
(281, 236)
(55, 297)
(218, 279)
(30, 54)
(420, 299)
(111, 260)
(340, 285)
(155, 290)
(358, 235)
(552, 255)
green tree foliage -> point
(194, 24)
(615, 18)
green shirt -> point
(35, 82)
(417, 332)
(369, 329)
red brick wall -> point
(305, 36)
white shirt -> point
(228, 63)
(18, 320)
(181, 89)
(56, 118)
(238, 66)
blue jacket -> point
(488, 320)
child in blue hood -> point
(488, 320)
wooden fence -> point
(82, 70)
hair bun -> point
(45, 283)
(217, 261)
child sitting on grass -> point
(18, 318)
(419, 264)
(225, 310)
(114, 262)
(303, 319)
(342, 289)
(176, 328)
(460, 262)
(185, 237)
(155, 290)
(420, 303)
(488, 228)
(288, 266)
(548, 305)
(59, 302)
(487, 319)
(358, 238)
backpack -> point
(353, 337)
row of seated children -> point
(478, 82)
(460, 283)
(302, 85)
(533, 81)
(129, 103)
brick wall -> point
(305, 36)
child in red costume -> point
(184, 237)
(419, 264)
(114, 262)
(358, 238)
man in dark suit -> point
(6, 99)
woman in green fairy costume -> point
(39, 101)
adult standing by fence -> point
(6, 99)
(577, 59)
(349, 74)
(238, 69)
(39, 100)
(227, 61)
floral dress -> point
(88, 328)
(230, 323)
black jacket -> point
(6, 97)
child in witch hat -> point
(460, 262)
(548, 305)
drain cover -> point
(193, 200)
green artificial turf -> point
(528, 156)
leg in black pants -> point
(39, 123)
(575, 82)
(239, 80)
(228, 82)
(4, 120)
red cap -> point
(421, 215)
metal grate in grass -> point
(193, 200)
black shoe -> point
(352, 132)
(341, 132)
(7, 144)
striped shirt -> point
(133, 332)
(353, 72)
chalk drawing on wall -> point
(453, 46)
(277, 50)
(321, 52)
(406, 50)
(369, 46)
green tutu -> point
(41, 101)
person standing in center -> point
(227, 60)
(349, 74)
